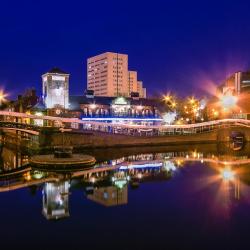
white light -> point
(228, 101)
(169, 166)
(227, 174)
(93, 106)
(146, 165)
(58, 91)
(92, 179)
(139, 175)
(169, 117)
(38, 114)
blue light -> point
(119, 119)
(147, 165)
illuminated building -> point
(232, 98)
(237, 83)
(142, 91)
(108, 75)
(56, 89)
(115, 108)
(56, 200)
(134, 85)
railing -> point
(128, 129)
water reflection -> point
(108, 182)
(56, 200)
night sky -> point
(179, 46)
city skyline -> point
(172, 48)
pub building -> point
(115, 109)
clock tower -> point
(56, 89)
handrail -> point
(160, 128)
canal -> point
(178, 197)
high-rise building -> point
(108, 75)
(132, 81)
(56, 88)
(141, 90)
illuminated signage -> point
(120, 101)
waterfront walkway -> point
(118, 128)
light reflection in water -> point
(109, 186)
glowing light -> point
(169, 117)
(120, 183)
(93, 106)
(38, 114)
(92, 179)
(167, 98)
(227, 174)
(173, 104)
(179, 162)
(216, 113)
(27, 176)
(139, 175)
(2, 97)
(169, 166)
(146, 165)
(228, 101)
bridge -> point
(118, 128)
(22, 127)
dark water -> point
(150, 198)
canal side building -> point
(118, 109)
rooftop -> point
(56, 70)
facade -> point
(116, 108)
(56, 89)
(141, 90)
(132, 81)
(234, 90)
(108, 75)
(237, 83)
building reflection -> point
(12, 159)
(110, 196)
(109, 182)
(56, 200)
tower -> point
(56, 88)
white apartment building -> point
(108, 75)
